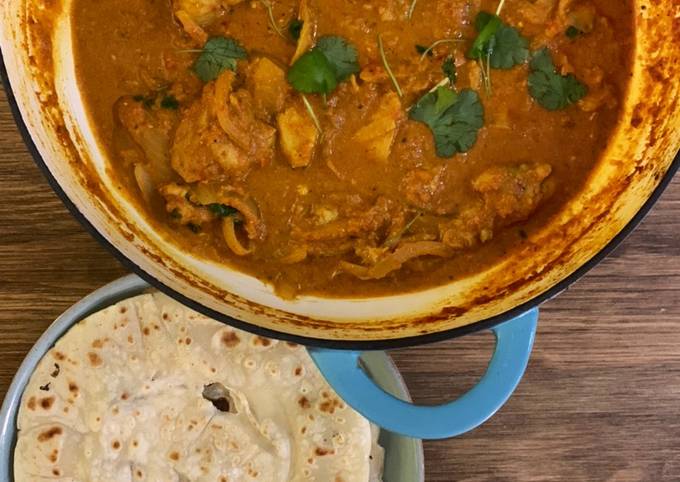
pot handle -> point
(514, 340)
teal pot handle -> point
(514, 340)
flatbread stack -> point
(148, 390)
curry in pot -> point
(352, 148)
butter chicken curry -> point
(353, 148)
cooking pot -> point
(39, 75)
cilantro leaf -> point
(454, 119)
(445, 99)
(487, 25)
(433, 105)
(449, 69)
(504, 45)
(295, 28)
(550, 89)
(218, 54)
(341, 55)
(313, 74)
(170, 102)
(319, 71)
(510, 48)
(421, 49)
(222, 210)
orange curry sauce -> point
(367, 207)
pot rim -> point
(325, 343)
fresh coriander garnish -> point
(170, 102)
(222, 210)
(428, 50)
(312, 114)
(487, 24)
(550, 89)
(573, 32)
(454, 119)
(497, 45)
(342, 56)
(503, 45)
(218, 54)
(449, 69)
(421, 49)
(388, 69)
(319, 71)
(295, 28)
(411, 9)
(272, 21)
(313, 74)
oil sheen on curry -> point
(349, 148)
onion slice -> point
(229, 233)
(144, 182)
(296, 255)
(396, 260)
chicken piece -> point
(353, 220)
(600, 93)
(377, 136)
(597, 98)
(422, 189)
(219, 136)
(267, 84)
(193, 29)
(341, 225)
(582, 17)
(150, 128)
(202, 150)
(236, 117)
(537, 12)
(512, 192)
(413, 76)
(298, 135)
(196, 15)
(508, 194)
(555, 16)
(179, 206)
(202, 12)
(308, 32)
(473, 225)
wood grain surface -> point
(600, 400)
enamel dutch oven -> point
(637, 165)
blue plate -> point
(403, 455)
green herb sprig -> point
(454, 119)
(319, 71)
(222, 210)
(449, 70)
(218, 54)
(497, 45)
(388, 69)
(295, 28)
(550, 89)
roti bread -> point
(148, 390)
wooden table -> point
(600, 400)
